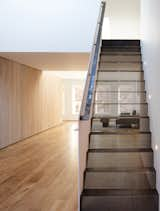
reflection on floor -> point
(40, 173)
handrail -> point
(91, 76)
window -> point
(77, 92)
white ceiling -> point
(51, 61)
(47, 25)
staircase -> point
(120, 174)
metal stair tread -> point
(139, 81)
(121, 150)
(126, 71)
(118, 133)
(120, 103)
(122, 117)
(137, 62)
(118, 192)
(120, 169)
(120, 46)
(120, 91)
(129, 53)
(118, 53)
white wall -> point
(150, 29)
(47, 25)
(69, 79)
(124, 19)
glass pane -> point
(77, 92)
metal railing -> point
(92, 71)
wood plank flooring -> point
(40, 173)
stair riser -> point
(120, 203)
(97, 125)
(102, 110)
(115, 58)
(120, 66)
(121, 49)
(120, 180)
(120, 75)
(120, 159)
(121, 43)
(134, 141)
(120, 53)
(120, 97)
(120, 86)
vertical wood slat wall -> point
(30, 101)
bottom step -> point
(119, 200)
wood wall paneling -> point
(30, 101)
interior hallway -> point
(40, 173)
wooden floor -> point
(40, 173)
